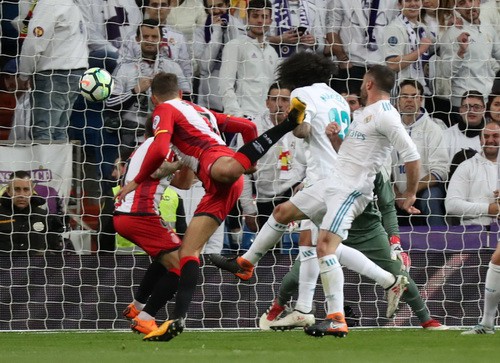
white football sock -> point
(308, 278)
(138, 305)
(145, 316)
(358, 262)
(491, 295)
(332, 278)
(268, 237)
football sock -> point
(332, 279)
(248, 154)
(289, 284)
(190, 267)
(164, 290)
(412, 297)
(267, 238)
(308, 278)
(153, 274)
(358, 262)
(491, 295)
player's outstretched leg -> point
(130, 311)
(142, 326)
(334, 324)
(240, 267)
(394, 294)
(167, 331)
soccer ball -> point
(96, 84)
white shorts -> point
(331, 208)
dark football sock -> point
(164, 290)
(153, 274)
(187, 286)
(248, 154)
(289, 284)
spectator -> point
(21, 120)
(209, 40)
(493, 108)
(248, 65)
(282, 169)
(129, 102)
(470, 52)
(185, 16)
(466, 133)
(356, 34)
(55, 54)
(109, 25)
(24, 224)
(428, 136)
(473, 193)
(173, 45)
(297, 26)
(408, 45)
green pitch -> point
(378, 345)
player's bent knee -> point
(283, 213)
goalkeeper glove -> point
(397, 253)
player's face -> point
(495, 109)
(259, 21)
(472, 111)
(278, 103)
(150, 41)
(363, 93)
(216, 7)
(411, 8)
(490, 141)
(468, 9)
(118, 169)
(158, 10)
(21, 191)
(409, 100)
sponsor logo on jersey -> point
(38, 31)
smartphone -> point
(301, 30)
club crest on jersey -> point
(38, 31)
(156, 121)
(368, 119)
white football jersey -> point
(324, 105)
(374, 131)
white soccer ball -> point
(96, 84)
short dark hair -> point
(304, 69)
(383, 77)
(494, 94)
(150, 23)
(205, 3)
(259, 5)
(165, 84)
(472, 94)
(20, 174)
(411, 82)
(274, 86)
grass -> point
(377, 345)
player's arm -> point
(233, 124)
(183, 179)
(332, 131)
(302, 131)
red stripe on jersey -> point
(144, 197)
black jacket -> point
(25, 229)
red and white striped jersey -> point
(147, 196)
(193, 129)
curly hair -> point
(304, 69)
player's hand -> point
(122, 193)
(251, 170)
(397, 253)
(332, 129)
